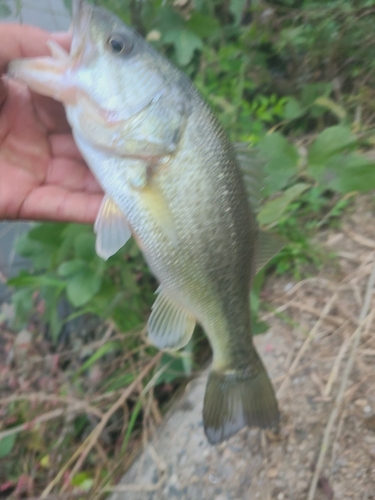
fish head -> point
(110, 74)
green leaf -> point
(174, 366)
(312, 91)
(185, 43)
(27, 280)
(258, 326)
(282, 159)
(83, 481)
(335, 108)
(273, 210)
(102, 351)
(48, 233)
(131, 424)
(203, 26)
(72, 267)
(68, 5)
(6, 445)
(82, 287)
(168, 19)
(293, 109)
(119, 381)
(23, 302)
(237, 8)
(328, 143)
(351, 172)
(39, 254)
(256, 287)
(84, 246)
(5, 10)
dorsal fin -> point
(253, 172)
(267, 247)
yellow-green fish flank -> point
(171, 179)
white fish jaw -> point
(45, 75)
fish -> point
(172, 181)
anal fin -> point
(111, 228)
(169, 325)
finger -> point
(71, 175)
(63, 145)
(57, 204)
(19, 41)
(3, 91)
(51, 113)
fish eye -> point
(119, 44)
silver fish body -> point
(171, 180)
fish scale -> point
(171, 179)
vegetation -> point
(295, 80)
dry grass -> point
(323, 356)
(69, 427)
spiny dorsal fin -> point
(169, 326)
(111, 228)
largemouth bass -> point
(171, 179)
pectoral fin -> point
(111, 228)
(169, 326)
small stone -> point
(272, 473)
(301, 485)
(227, 454)
(280, 496)
(201, 470)
(174, 486)
(288, 287)
(360, 402)
(153, 36)
(367, 409)
(23, 339)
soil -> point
(313, 327)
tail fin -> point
(235, 399)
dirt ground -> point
(326, 389)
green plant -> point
(65, 266)
(295, 79)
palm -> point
(42, 174)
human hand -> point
(42, 173)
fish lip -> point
(82, 14)
(78, 5)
